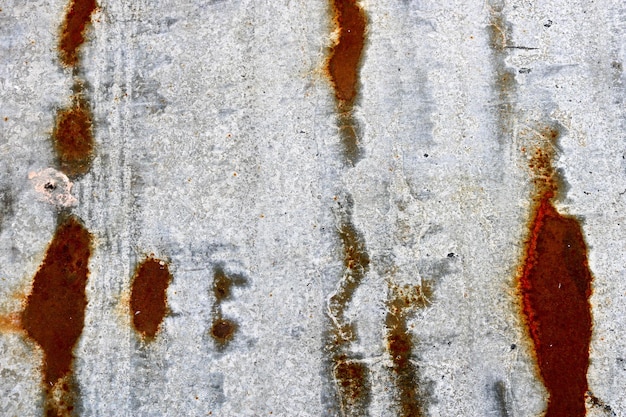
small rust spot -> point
(223, 331)
(400, 346)
(77, 18)
(73, 138)
(148, 298)
(555, 286)
(55, 310)
(223, 284)
(343, 70)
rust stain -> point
(11, 323)
(400, 346)
(345, 56)
(223, 284)
(342, 67)
(555, 286)
(349, 373)
(351, 377)
(222, 329)
(77, 19)
(148, 298)
(55, 310)
(72, 138)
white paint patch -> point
(54, 187)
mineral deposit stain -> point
(348, 372)
(55, 310)
(72, 138)
(400, 346)
(343, 69)
(148, 298)
(555, 286)
(73, 30)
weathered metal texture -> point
(319, 254)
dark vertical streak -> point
(6, 205)
(343, 70)
(555, 286)
(499, 34)
(148, 299)
(499, 393)
(73, 30)
(55, 310)
(400, 347)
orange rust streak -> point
(148, 300)
(400, 346)
(11, 323)
(73, 30)
(556, 286)
(346, 54)
(73, 140)
(55, 309)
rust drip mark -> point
(555, 286)
(148, 299)
(73, 138)
(349, 373)
(77, 19)
(343, 69)
(400, 346)
(55, 310)
(222, 329)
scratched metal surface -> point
(216, 144)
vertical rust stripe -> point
(55, 310)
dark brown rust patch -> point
(55, 310)
(223, 331)
(343, 70)
(555, 286)
(148, 298)
(345, 56)
(400, 346)
(73, 138)
(77, 18)
(350, 375)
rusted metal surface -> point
(345, 208)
